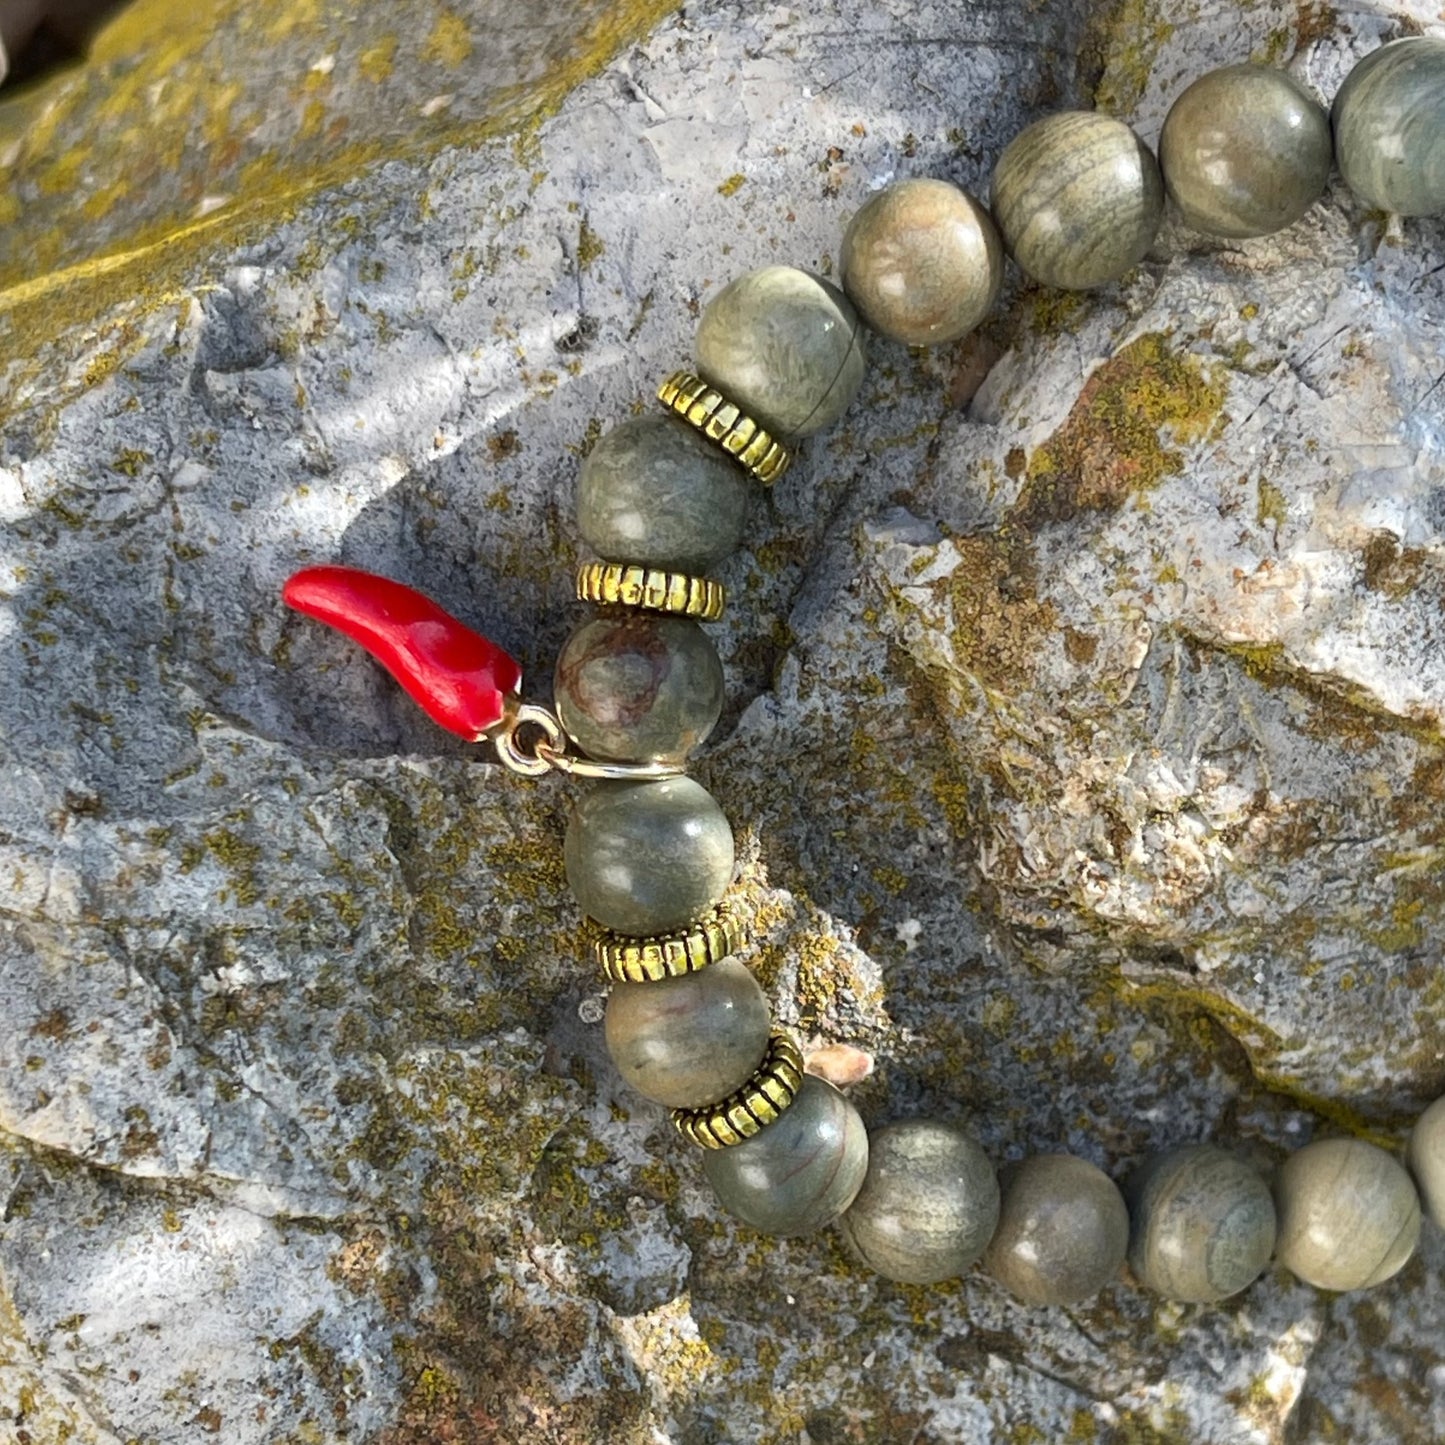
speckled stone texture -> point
(1085, 736)
(1349, 1216)
(922, 262)
(638, 687)
(928, 1205)
(1201, 1224)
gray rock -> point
(1084, 736)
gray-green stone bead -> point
(689, 1041)
(639, 687)
(1063, 1231)
(928, 1204)
(785, 346)
(1201, 1224)
(1078, 199)
(648, 857)
(801, 1172)
(1389, 123)
(1245, 151)
(922, 262)
(1349, 1216)
(1427, 1159)
(655, 491)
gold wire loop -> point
(531, 764)
(550, 751)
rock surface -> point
(1101, 657)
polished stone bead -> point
(1063, 1231)
(785, 346)
(928, 1204)
(638, 687)
(922, 262)
(647, 857)
(1245, 151)
(656, 492)
(1349, 1216)
(1078, 199)
(689, 1041)
(801, 1172)
(1389, 124)
(1201, 1224)
(1427, 1160)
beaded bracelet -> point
(1076, 200)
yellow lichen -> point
(376, 60)
(1115, 441)
(1134, 33)
(450, 41)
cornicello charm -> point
(463, 681)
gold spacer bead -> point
(750, 1109)
(687, 395)
(718, 934)
(623, 584)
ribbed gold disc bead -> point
(623, 584)
(690, 397)
(718, 934)
(750, 1109)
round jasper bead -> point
(1078, 199)
(639, 687)
(1063, 1231)
(1349, 1216)
(922, 262)
(785, 346)
(656, 492)
(928, 1204)
(1427, 1159)
(1389, 124)
(799, 1173)
(1202, 1224)
(687, 1041)
(1245, 151)
(650, 856)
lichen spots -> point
(450, 41)
(1124, 433)
(1271, 505)
(1390, 569)
(493, 1126)
(1129, 37)
(1000, 625)
(590, 246)
(376, 60)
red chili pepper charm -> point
(460, 680)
